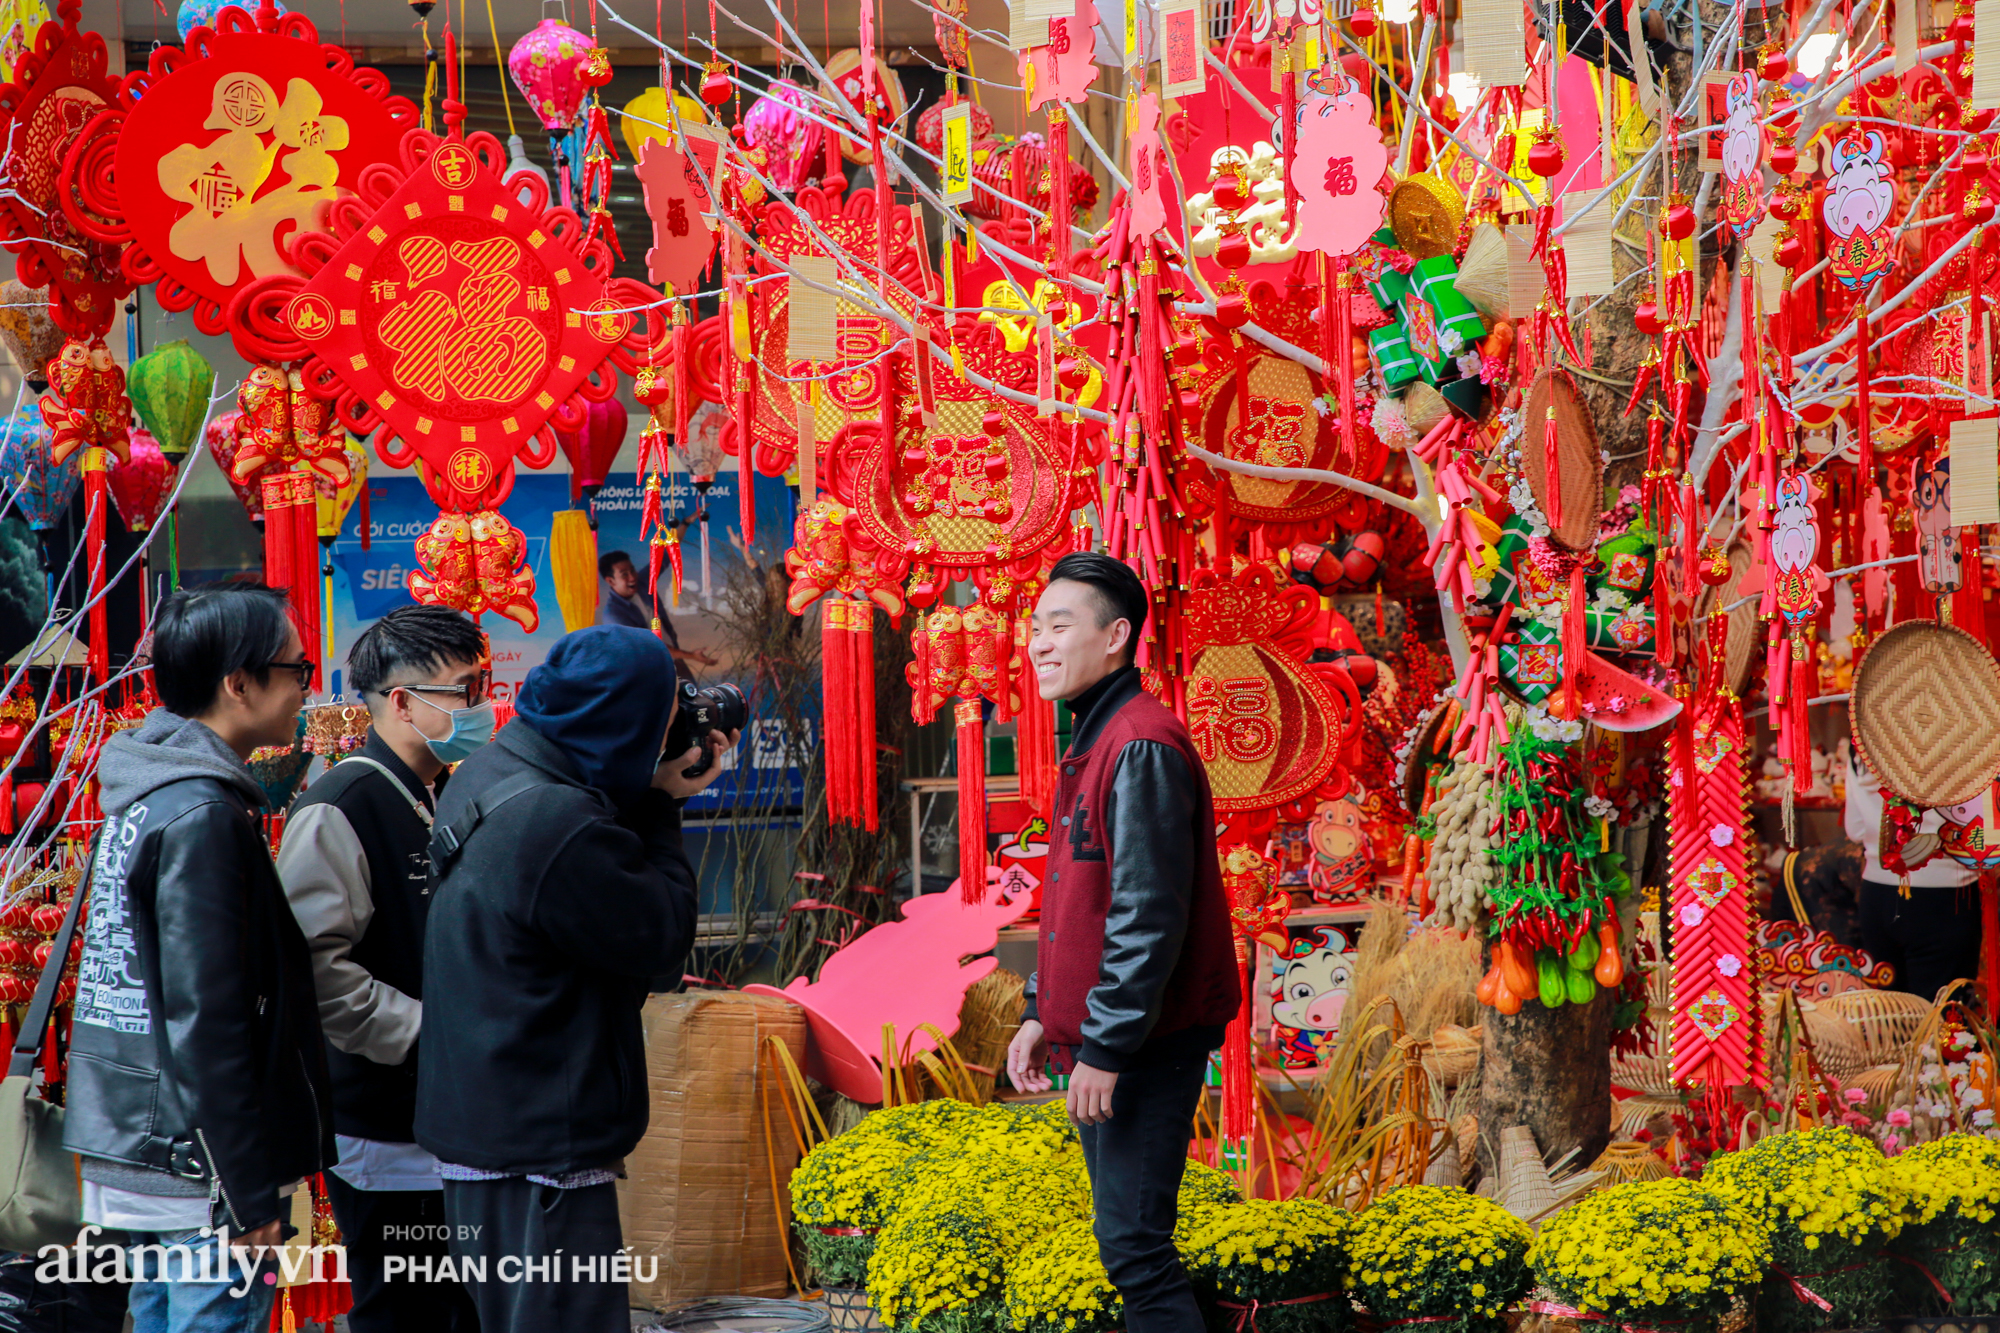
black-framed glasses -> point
(303, 669)
(473, 692)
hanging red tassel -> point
(1989, 948)
(1574, 638)
(1804, 686)
(861, 633)
(1035, 743)
(971, 801)
(278, 531)
(1239, 1091)
(837, 675)
(1552, 460)
(1867, 465)
(1060, 212)
(923, 711)
(97, 500)
(305, 570)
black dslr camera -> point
(704, 709)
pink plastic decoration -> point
(139, 483)
(677, 201)
(1065, 68)
(1340, 158)
(547, 65)
(1149, 167)
(1742, 159)
(793, 142)
(902, 974)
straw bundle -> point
(1483, 273)
(987, 1022)
(1429, 975)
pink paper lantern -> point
(548, 67)
(793, 142)
(140, 483)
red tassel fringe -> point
(1035, 743)
(837, 670)
(1574, 639)
(971, 801)
(1239, 1093)
(861, 628)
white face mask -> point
(470, 728)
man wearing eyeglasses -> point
(355, 864)
(197, 1073)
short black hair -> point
(1120, 594)
(610, 560)
(202, 635)
(411, 638)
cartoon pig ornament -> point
(1859, 198)
(1340, 159)
(1314, 980)
(1742, 159)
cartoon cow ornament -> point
(1309, 995)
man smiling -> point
(1136, 974)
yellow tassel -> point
(291, 1321)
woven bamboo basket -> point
(1926, 713)
(850, 1311)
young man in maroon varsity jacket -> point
(1136, 974)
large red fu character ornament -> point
(471, 322)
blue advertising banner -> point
(366, 584)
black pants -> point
(547, 1255)
(1135, 1161)
(377, 1223)
(1931, 938)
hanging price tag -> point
(958, 154)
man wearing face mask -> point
(562, 893)
(355, 863)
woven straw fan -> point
(1483, 274)
(1573, 495)
(1926, 713)
(1745, 636)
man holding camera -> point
(562, 890)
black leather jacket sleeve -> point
(620, 896)
(210, 1006)
(1147, 831)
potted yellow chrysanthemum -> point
(1658, 1253)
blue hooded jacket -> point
(602, 697)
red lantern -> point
(139, 482)
(1545, 159)
(223, 444)
(592, 450)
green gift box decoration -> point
(1434, 282)
(1400, 366)
(1532, 666)
(1625, 562)
(1627, 631)
(1516, 579)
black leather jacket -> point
(196, 1064)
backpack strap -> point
(28, 1045)
(448, 840)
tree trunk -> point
(1548, 1069)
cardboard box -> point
(698, 1188)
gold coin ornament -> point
(1425, 212)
